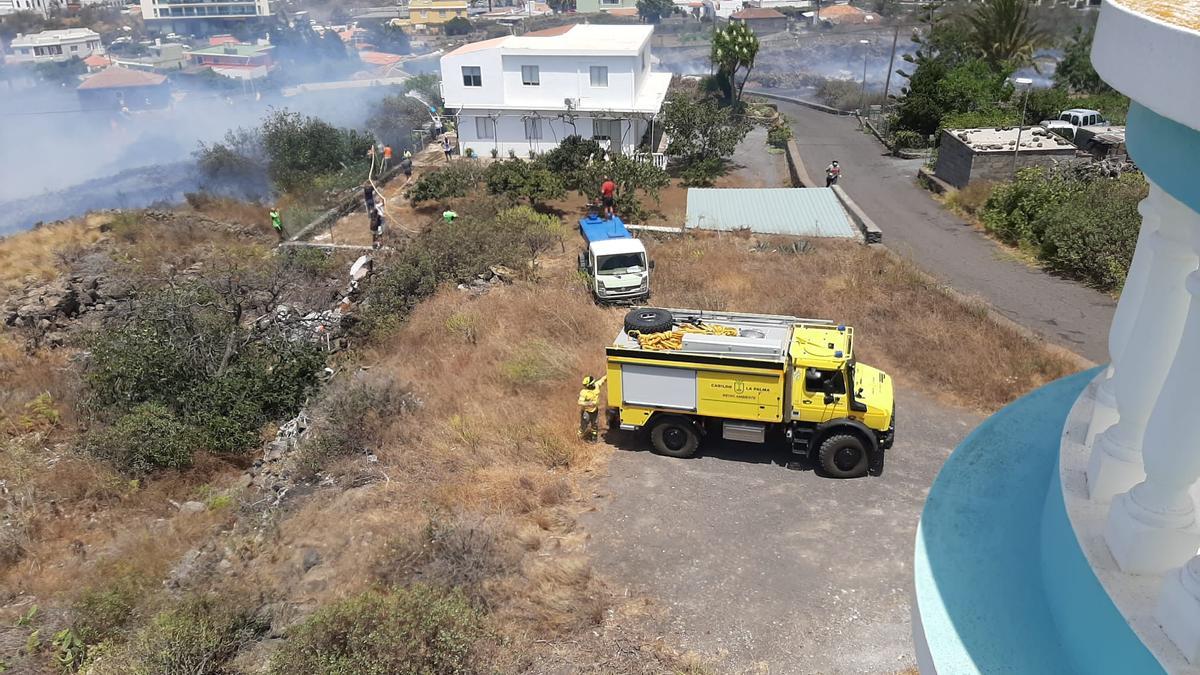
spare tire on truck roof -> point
(647, 320)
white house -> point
(13, 6)
(526, 93)
(55, 45)
(189, 17)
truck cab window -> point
(620, 264)
(818, 381)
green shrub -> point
(417, 631)
(568, 159)
(103, 612)
(518, 179)
(903, 138)
(981, 119)
(186, 365)
(1081, 223)
(1092, 237)
(456, 180)
(353, 416)
(198, 638)
(779, 135)
(147, 439)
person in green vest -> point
(449, 216)
(276, 222)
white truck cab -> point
(619, 269)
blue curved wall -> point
(996, 560)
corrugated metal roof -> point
(800, 212)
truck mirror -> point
(651, 264)
(830, 399)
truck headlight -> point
(601, 290)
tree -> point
(388, 37)
(701, 130)
(1004, 32)
(459, 25)
(652, 11)
(936, 90)
(570, 157)
(62, 73)
(517, 179)
(428, 85)
(393, 119)
(630, 176)
(1075, 72)
(734, 49)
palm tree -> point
(1005, 32)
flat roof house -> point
(526, 93)
(244, 62)
(189, 17)
(55, 45)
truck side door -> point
(819, 395)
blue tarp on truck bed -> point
(600, 229)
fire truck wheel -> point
(674, 437)
(844, 456)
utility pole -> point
(862, 110)
(887, 83)
(1027, 84)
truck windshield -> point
(622, 263)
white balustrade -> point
(1153, 527)
(1116, 461)
(1104, 412)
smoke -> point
(58, 160)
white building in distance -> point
(207, 17)
(526, 93)
(55, 45)
(13, 6)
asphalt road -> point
(770, 568)
(915, 225)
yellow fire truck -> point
(683, 374)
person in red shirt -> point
(608, 191)
(387, 159)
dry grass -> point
(904, 325)
(35, 253)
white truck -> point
(616, 263)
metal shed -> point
(799, 212)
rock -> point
(503, 273)
(30, 311)
(311, 558)
(56, 339)
(192, 507)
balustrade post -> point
(1153, 528)
(1115, 465)
(1104, 411)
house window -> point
(533, 129)
(472, 76)
(606, 130)
(530, 76)
(599, 76)
(610, 3)
(485, 127)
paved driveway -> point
(915, 225)
(775, 569)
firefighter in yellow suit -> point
(589, 408)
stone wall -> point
(954, 161)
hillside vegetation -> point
(426, 519)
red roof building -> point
(761, 20)
(118, 88)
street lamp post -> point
(1027, 84)
(862, 110)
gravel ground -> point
(764, 565)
